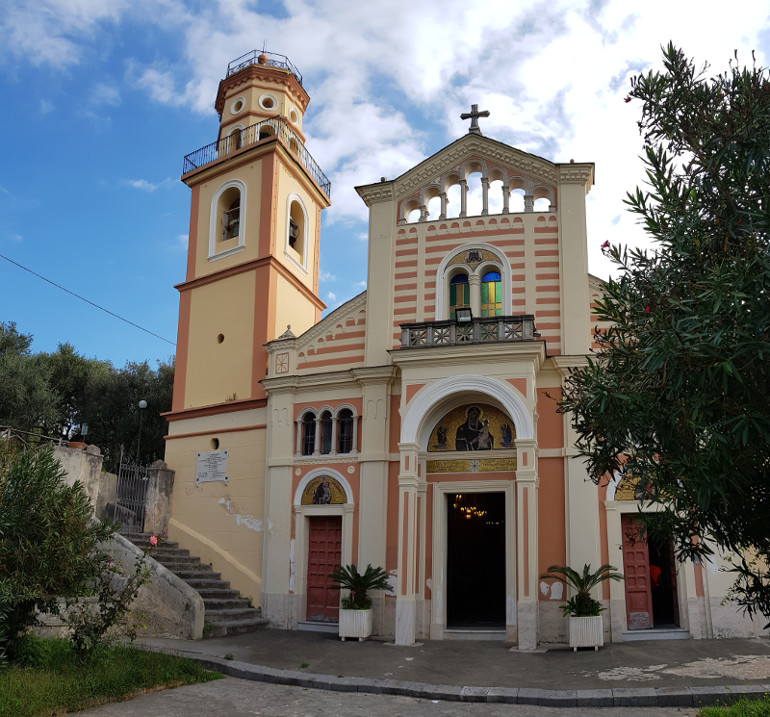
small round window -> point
(237, 105)
(293, 116)
(268, 102)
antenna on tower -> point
(264, 45)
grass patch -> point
(47, 678)
(742, 708)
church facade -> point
(415, 427)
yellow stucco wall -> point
(219, 371)
(222, 522)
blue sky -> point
(104, 98)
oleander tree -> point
(677, 394)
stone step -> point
(162, 551)
(219, 593)
(227, 613)
(233, 603)
(236, 627)
(200, 572)
(184, 563)
(231, 614)
(201, 584)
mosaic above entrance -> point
(323, 490)
(473, 427)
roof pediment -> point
(475, 149)
(473, 153)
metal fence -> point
(131, 492)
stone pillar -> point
(423, 212)
(485, 195)
(157, 500)
(526, 542)
(373, 464)
(463, 197)
(408, 513)
(506, 199)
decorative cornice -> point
(577, 174)
(354, 304)
(376, 193)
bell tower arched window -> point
(491, 294)
(296, 232)
(459, 293)
(227, 229)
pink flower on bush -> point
(153, 540)
(647, 309)
(606, 245)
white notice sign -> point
(211, 466)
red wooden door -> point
(636, 568)
(324, 554)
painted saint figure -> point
(322, 495)
(468, 433)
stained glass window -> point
(491, 294)
(459, 293)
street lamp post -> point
(142, 406)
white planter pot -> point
(586, 632)
(355, 623)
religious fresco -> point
(630, 488)
(323, 490)
(473, 427)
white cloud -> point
(331, 297)
(327, 276)
(147, 186)
(104, 94)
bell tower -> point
(252, 268)
(252, 265)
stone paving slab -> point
(481, 672)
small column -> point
(485, 195)
(298, 444)
(529, 203)
(506, 199)
(317, 441)
(406, 599)
(423, 212)
(463, 197)
(354, 442)
(444, 203)
(474, 280)
(333, 446)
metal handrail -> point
(260, 132)
(273, 60)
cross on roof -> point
(473, 116)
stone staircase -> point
(227, 613)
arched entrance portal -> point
(463, 440)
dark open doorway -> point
(476, 560)
(665, 605)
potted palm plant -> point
(586, 627)
(355, 612)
